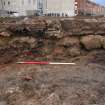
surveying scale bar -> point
(46, 63)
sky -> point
(101, 2)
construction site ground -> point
(29, 84)
(81, 84)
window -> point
(4, 3)
(34, 1)
(8, 2)
(76, 3)
(76, 7)
(22, 2)
(76, 12)
(29, 1)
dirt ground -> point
(81, 84)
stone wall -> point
(52, 37)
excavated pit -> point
(78, 39)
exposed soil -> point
(80, 84)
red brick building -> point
(87, 7)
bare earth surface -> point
(82, 84)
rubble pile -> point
(67, 37)
(83, 27)
(28, 27)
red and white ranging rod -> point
(46, 63)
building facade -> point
(88, 7)
(22, 7)
(73, 8)
(60, 7)
(52, 7)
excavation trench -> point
(79, 40)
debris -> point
(74, 51)
(103, 42)
(27, 78)
(69, 41)
(5, 34)
(31, 41)
(52, 99)
(91, 42)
